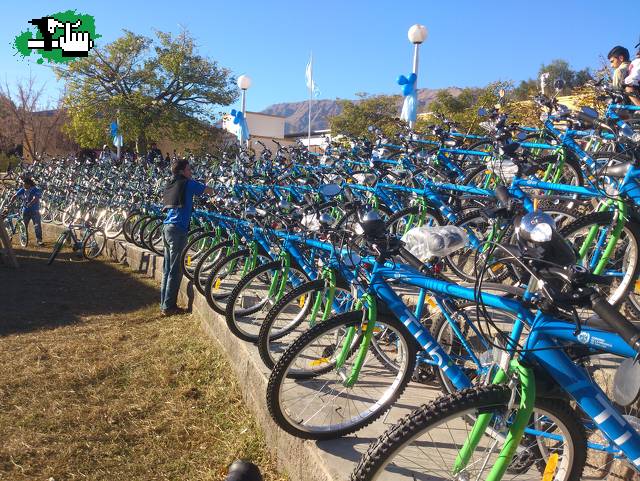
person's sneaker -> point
(40, 244)
(173, 311)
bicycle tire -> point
(218, 300)
(379, 402)
(134, 234)
(156, 240)
(88, 250)
(128, 224)
(396, 441)
(184, 255)
(23, 233)
(57, 247)
(235, 317)
(200, 274)
(632, 231)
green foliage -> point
(157, 88)
(557, 69)
(6, 160)
(463, 108)
(380, 111)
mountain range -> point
(297, 113)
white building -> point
(261, 126)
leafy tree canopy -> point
(157, 88)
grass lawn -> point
(96, 385)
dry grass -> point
(106, 389)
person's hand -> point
(73, 42)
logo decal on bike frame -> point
(584, 337)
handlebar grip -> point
(243, 471)
(609, 314)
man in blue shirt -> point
(178, 203)
(30, 196)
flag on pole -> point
(311, 85)
(118, 141)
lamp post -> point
(244, 82)
(417, 34)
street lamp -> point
(244, 82)
(417, 34)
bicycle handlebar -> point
(609, 314)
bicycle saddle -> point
(617, 170)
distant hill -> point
(297, 113)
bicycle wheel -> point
(623, 264)
(226, 274)
(193, 251)
(57, 246)
(128, 224)
(114, 224)
(310, 398)
(462, 262)
(476, 357)
(425, 444)
(156, 240)
(134, 234)
(414, 216)
(94, 244)
(207, 261)
(23, 233)
(292, 315)
(254, 296)
(145, 231)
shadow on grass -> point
(38, 296)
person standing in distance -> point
(30, 195)
(178, 203)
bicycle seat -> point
(618, 170)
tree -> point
(463, 108)
(157, 88)
(35, 122)
(356, 117)
(557, 69)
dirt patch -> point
(96, 385)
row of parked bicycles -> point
(501, 265)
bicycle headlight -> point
(536, 227)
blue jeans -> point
(35, 217)
(175, 238)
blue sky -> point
(358, 46)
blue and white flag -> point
(241, 122)
(410, 104)
(311, 85)
(116, 135)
